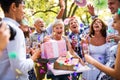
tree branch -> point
(74, 10)
(44, 11)
(70, 9)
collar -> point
(11, 21)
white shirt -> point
(8, 66)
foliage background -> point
(48, 9)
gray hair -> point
(57, 22)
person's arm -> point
(4, 35)
(114, 72)
(91, 11)
(59, 15)
(62, 8)
(69, 46)
(72, 52)
(117, 63)
(36, 54)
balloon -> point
(80, 3)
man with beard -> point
(36, 38)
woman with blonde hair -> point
(57, 34)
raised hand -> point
(62, 4)
(91, 9)
(62, 9)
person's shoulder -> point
(45, 31)
(11, 22)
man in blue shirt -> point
(75, 39)
(75, 35)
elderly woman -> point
(57, 34)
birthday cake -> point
(63, 63)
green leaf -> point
(100, 4)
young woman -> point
(114, 72)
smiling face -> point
(39, 25)
(116, 22)
(113, 5)
(13, 9)
(97, 26)
(20, 11)
(58, 29)
(74, 26)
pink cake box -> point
(53, 49)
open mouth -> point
(74, 27)
(59, 32)
(42, 26)
(96, 26)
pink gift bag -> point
(53, 49)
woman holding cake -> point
(57, 34)
(97, 47)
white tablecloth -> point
(61, 72)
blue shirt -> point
(78, 45)
(15, 68)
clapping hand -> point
(36, 53)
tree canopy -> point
(48, 10)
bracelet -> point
(93, 17)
